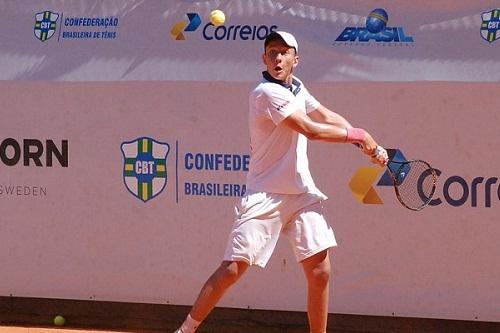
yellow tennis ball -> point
(59, 320)
(217, 17)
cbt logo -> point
(45, 25)
(490, 25)
(222, 32)
(456, 191)
(375, 30)
(145, 167)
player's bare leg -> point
(317, 270)
(212, 291)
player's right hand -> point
(380, 156)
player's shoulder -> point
(273, 87)
(266, 86)
(266, 89)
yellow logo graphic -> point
(179, 28)
(361, 185)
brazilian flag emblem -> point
(490, 25)
(145, 167)
(45, 25)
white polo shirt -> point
(278, 162)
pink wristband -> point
(356, 135)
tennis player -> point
(281, 197)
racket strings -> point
(415, 184)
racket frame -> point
(394, 179)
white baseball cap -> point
(287, 37)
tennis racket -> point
(414, 182)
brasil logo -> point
(490, 25)
(376, 30)
(45, 24)
(145, 167)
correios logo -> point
(375, 30)
(145, 167)
(179, 28)
(222, 32)
(361, 183)
(456, 190)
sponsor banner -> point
(47, 23)
(116, 40)
(125, 191)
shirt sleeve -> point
(279, 104)
(311, 102)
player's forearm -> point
(325, 132)
(336, 134)
(327, 116)
(337, 120)
(320, 131)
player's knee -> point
(232, 271)
(320, 275)
(318, 269)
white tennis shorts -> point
(261, 218)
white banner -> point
(125, 192)
(165, 40)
